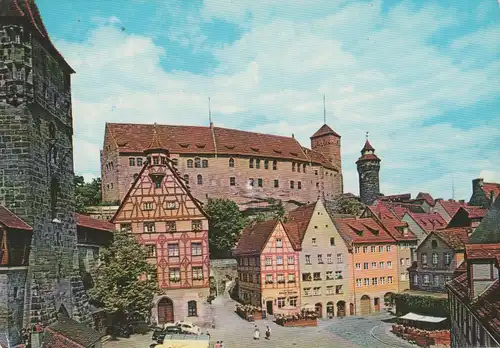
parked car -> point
(188, 327)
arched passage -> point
(319, 309)
(329, 310)
(341, 309)
(165, 311)
(366, 307)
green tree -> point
(225, 225)
(277, 208)
(125, 282)
(344, 205)
(86, 193)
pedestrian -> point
(268, 333)
(217, 345)
(222, 344)
(256, 333)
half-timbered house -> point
(161, 211)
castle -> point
(39, 275)
(227, 163)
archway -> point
(366, 307)
(341, 309)
(329, 310)
(165, 311)
(319, 309)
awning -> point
(424, 318)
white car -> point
(188, 327)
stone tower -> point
(368, 168)
(327, 142)
(36, 173)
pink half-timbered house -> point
(160, 210)
(268, 265)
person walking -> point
(268, 333)
(222, 345)
(256, 333)
(217, 345)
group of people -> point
(256, 333)
(304, 314)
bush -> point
(425, 305)
(141, 329)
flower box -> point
(298, 323)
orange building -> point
(373, 257)
(268, 266)
(160, 210)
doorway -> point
(365, 305)
(376, 304)
(165, 311)
(269, 307)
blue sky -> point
(420, 76)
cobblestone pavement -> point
(349, 332)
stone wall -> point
(12, 285)
(369, 188)
(222, 271)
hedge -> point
(425, 305)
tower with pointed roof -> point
(368, 169)
(36, 171)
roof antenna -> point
(209, 112)
(324, 108)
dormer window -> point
(266, 164)
(231, 162)
(156, 160)
(434, 244)
(197, 163)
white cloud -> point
(380, 74)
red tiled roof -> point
(134, 138)
(489, 187)
(300, 217)
(324, 130)
(253, 238)
(368, 146)
(429, 221)
(475, 212)
(426, 197)
(11, 220)
(456, 238)
(368, 157)
(391, 223)
(482, 251)
(362, 230)
(96, 224)
(318, 158)
(451, 206)
(293, 231)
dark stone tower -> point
(36, 172)
(368, 168)
(327, 142)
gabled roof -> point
(428, 221)
(254, 237)
(134, 138)
(368, 146)
(299, 218)
(483, 251)
(489, 187)
(488, 230)
(324, 130)
(76, 332)
(475, 212)
(451, 206)
(390, 222)
(96, 224)
(455, 238)
(11, 220)
(426, 197)
(361, 230)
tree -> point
(344, 205)
(125, 282)
(277, 208)
(86, 194)
(225, 224)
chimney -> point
(293, 136)
(477, 185)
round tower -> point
(368, 168)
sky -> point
(422, 77)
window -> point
(365, 249)
(426, 279)
(329, 290)
(151, 250)
(276, 183)
(308, 259)
(136, 176)
(358, 266)
(402, 261)
(279, 260)
(280, 301)
(192, 312)
(373, 248)
(292, 184)
(268, 261)
(293, 166)
(231, 162)
(388, 248)
(447, 258)
(359, 282)
(375, 281)
(307, 291)
(389, 280)
(291, 260)
(298, 167)
(190, 163)
(299, 185)
(435, 258)
(204, 163)
(250, 163)
(126, 227)
(291, 278)
(317, 184)
(338, 290)
(415, 279)
(257, 163)
(329, 258)
(423, 258)
(367, 281)
(173, 250)
(266, 164)
(279, 243)
(131, 162)
(156, 179)
(365, 265)
(196, 249)
(317, 291)
(232, 181)
(171, 226)
(338, 275)
(175, 275)
(199, 179)
(332, 241)
(380, 248)
(304, 167)
(340, 258)
(434, 244)
(186, 178)
(389, 264)
(382, 280)
(408, 261)
(197, 273)
(403, 276)
(374, 265)
(320, 258)
(170, 205)
(259, 182)
(306, 277)
(356, 250)
(148, 206)
(437, 280)
(381, 264)
(251, 182)
(314, 239)
(197, 163)
(329, 275)
(139, 162)
(269, 279)
(156, 160)
(149, 227)
(280, 279)
(275, 165)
